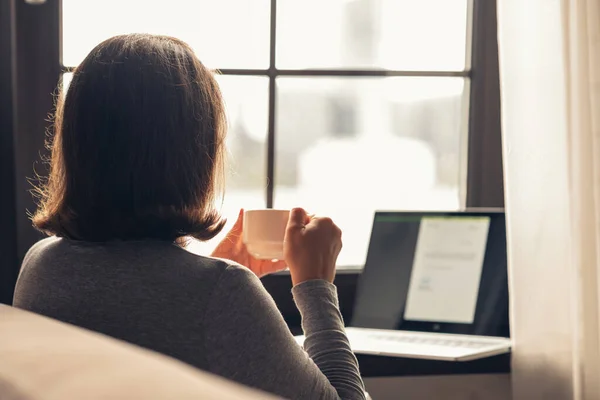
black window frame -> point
(32, 40)
(272, 73)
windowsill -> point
(352, 270)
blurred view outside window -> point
(347, 140)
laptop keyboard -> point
(430, 341)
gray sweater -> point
(209, 313)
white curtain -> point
(550, 87)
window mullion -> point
(272, 102)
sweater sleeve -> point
(247, 340)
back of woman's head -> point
(138, 146)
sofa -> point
(44, 359)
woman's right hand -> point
(311, 247)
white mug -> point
(264, 231)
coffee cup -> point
(264, 231)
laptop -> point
(434, 286)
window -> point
(340, 106)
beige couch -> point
(43, 359)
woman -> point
(137, 163)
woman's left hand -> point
(233, 248)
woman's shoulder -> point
(41, 247)
(159, 262)
(231, 276)
(210, 271)
(227, 269)
(143, 255)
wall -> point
(538, 196)
(23, 122)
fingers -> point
(238, 227)
(265, 267)
(298, 218)
(278, 265)
(325, 223)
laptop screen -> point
(435, 272)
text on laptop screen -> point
(449, 255)
(435, 271)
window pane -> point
(224, 33)
(66, 81)
(394, 34)
(347, 147)
(246, 100)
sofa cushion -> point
(44, 359)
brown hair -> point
(138, 146)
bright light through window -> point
(419, 35)
(344, 146)
(347, 147)
(224, 33)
